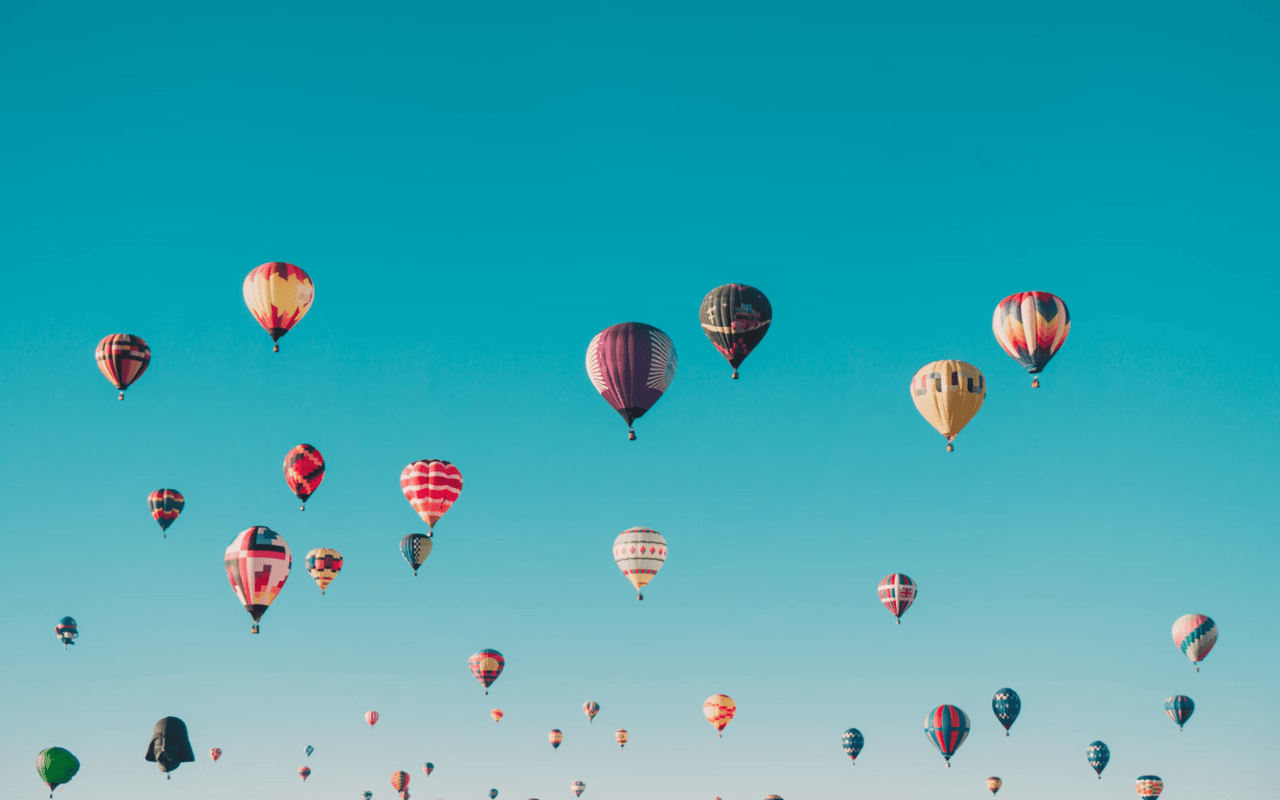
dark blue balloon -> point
(1007, 705)
(1098, 756)
(851, 740)
(1179, 708)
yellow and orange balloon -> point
(719, 710)
(948, 395)
(278, 295)
(496, 714)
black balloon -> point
(735, 317)
(169, 746)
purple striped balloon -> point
(631, 365)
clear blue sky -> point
(477, 189)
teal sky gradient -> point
(477, 189)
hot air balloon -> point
(1195, 635)
(719, 710)
(1031, 326)
(56, 766)
(578, 788)
(170, 746)
(66, 631)
(1149, 786)
(367, 796)
(400, 781)
(165, 505)
(948, 394)
(215, 753)
(621, 737)
(631, 365)
(1098, 756)
(324, 564)
(428, 767)
(310, 750)
(487, 665)
(1006, 705)
(258, 562)
(735, 317)
(994, 784)
(431, 486)
(851, 740)
(591, 708)
(304, 773)
(371, 717)
(303, 471)
(555, 737)
(639, 553)
(947, 727)
(496, 714)
(123, 358)
(493, 793)
(897, 592)
(278, 295)
(415, 548)
(1179, 708)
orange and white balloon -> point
(278, 295)
(496, 714)
(719, 710)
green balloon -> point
(56, 766)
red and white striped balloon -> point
(431, 486)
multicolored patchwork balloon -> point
(56, 766)
(555, 737)
(640, 553)
(994, 784)
(1149, 787)
(621, 737)
(165, 505)
(258, 563)
(719, 710)
(215, 753)
(631, 364)
(1195, 635)
(735, 317)
(591, 708)
(496, 714)
(278, 295)
(1031, 326)
(304, 773)
(400, 781)
(897, 592)
(578, 788)
(428, 767)
(851, 740)
(1179, 708)
(948, 395)
(371, 717)
(123, 357)
(1006, 705)
(947, 727)
(66, 631)
(431, 486)
(323, 564)
(303, 471)
(1098, 755)
(486, 666)
(415, 548)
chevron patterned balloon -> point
(1195, 635)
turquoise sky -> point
(477, 189)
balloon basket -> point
(276, 349)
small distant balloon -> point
(1179, 708)
(486, 666)
(122, 358)
(215, 753)
(415, 548)
(278, 295)
(66, 631)
(719, 710)
(1098, 756)
(578, 788)
(493, 793)
(1195, 635)
(310, 750)
(303, 471)
(165, 505)
(367, 796)
(897, 593)
(621, 737)
(304, 773)
(591, 708)
(852, 741)
(948, 395)
(735, 317)
(555, 737)
(400, 781)
(994, 784)
(371, 717)
(1007, 705)
(428, 767)
(323, 565)
(1149, 787)
(496, 714)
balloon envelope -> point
(1006, 705)
(994, 784)
(947, 727)
(400, 781)
(852, 741)
(56, 766)
(1179, 708)
(258, 562)
(1098, 755)
(122, 358)
(310, 750)
(578, 788)
(621, 737)
(1195, 635)
(486, 666)
(496, 714)
(735, 317)
(631, 365)
(1031, 326)
(428, 767)
(948, 394)
(415, 548)
(897, 593)
(639, 553)
(170, 746)
(555, 737)
(432, 487)
(719, 710)
(591, 708)
(165, 505)
(303, 471)
(304, 772)
(215, 753)
(66, 631)
(1149, 787)
(323, 565)
(371, 717)
(278, 295)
